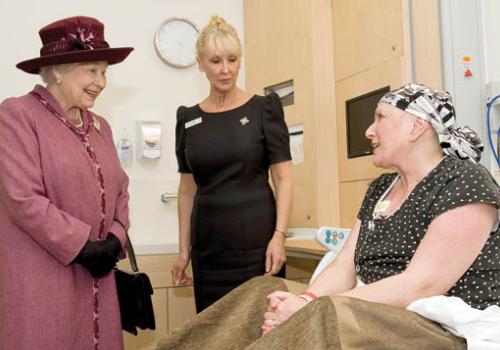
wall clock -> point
(175, 42)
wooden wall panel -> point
(277, 49)
(324, 106)
(276, 46)
(293, 40)
(366, 33)
(351, 197)
(427, 43)
(389, 73)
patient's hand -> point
(281, 305)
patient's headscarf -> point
(436, 107)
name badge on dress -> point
(192, 123)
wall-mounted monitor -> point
(359, 116)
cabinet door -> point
(148, 339)
(181, 306)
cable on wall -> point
(488, 125)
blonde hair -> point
(217, 34)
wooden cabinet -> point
(146, 340)
(173, 305)
(300, 269)
(181, 306)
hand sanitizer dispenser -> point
(124, 148)
(149, 139)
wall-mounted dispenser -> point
(124, 148)
(149, 139)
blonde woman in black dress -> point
(231, 225)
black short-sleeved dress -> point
(234, 211)
(386, 246)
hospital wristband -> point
(308, 296)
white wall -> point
(471, 28)
(141, 88)
(491, 25)
(491, 44)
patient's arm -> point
(452, 243)
(340, 275)
(336, 278)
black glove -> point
(100, 257)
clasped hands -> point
(281, 305)
(100, 257)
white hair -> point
(47, 72)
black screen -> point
(359, 116)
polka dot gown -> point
(388, 248)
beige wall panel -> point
(351, 197)
(305, 197)
(273, 31)
(277, 49)
(291, 115)
(389, 73)
(292, 39)
(146, 340)
(181, 306)
(407, 73)
(366, 33)
(304, 202)
(427, 43)
(327, 167)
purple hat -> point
(74, 39)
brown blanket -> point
(327, 323)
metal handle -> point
(168, 196)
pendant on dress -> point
(371, 225)
(358, 269)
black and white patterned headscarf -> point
(436, 107)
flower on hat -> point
(79, 41)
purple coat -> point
(49, 208)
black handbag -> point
(134, 295)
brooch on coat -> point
(96, 124)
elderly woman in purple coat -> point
(63, 199)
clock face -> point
(175, 42)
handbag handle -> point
(130, 248)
